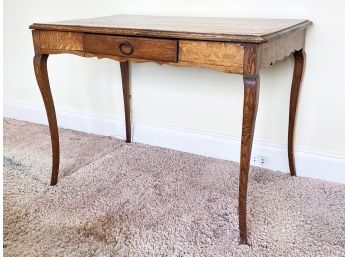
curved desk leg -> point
(251, 96)
(126, 95)
(295, 89)
(40, 66)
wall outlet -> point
(259, 160)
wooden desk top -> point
(212, 29)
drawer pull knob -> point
(126, 48)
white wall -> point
(197, 99)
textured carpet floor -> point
(117, 199)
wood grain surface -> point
(251, 59)
(212, 53)
(199, 28)
(61, 40)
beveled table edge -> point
(169, 34)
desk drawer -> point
(133, 47)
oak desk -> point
(241, 46)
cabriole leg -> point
(40, 66)
(126, 95)
(251, 95)
(299, 57)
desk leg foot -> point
(126, 95)
(251, 96)
(40, 66)
(295, 89)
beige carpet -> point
(117, 199)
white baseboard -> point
(309, 163)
